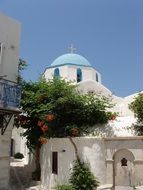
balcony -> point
(10, 94)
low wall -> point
(104, 156)
(91, 150)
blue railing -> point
(10, 94)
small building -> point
(9, 90)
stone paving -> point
(19, 178)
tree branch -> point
(75, 148)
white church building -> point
(114, 153)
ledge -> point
(138, 161)
(9, 110)
(5, 141)
(106, 186)
(123, 138)
(4, 158)
(109, 160)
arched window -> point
(79, 75)
(97, 77)
(57, 72)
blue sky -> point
(109, 33)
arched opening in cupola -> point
(79, 75)
(97, 79)
(57, 72)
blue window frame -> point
(57, 72)
(97, 79)
(79, 75)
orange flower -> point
(50, 117)
(113, 117)
(44, 128)
(40, 123)
(74, 131)
(42, 140)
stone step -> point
(34, 188)
(124, 188)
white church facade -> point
(114, 154)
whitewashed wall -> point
(93, 86)
(49, 72)
(68, 72)
(9, 37)
(91, 150)
(99, 153)
(19, 143)
(132, 144)
(120, 127)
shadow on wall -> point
(93, 153)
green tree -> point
(21, 66)
(82, 178)
(57, 109)
(137, 107)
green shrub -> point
(18, 155)
(82, 178)
(64, 187)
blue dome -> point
(71, 58)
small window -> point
(79, 75)
(124, 162)
(97, 77)
(55, 162)
(57, 72)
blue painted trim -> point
(70, 64)
(50, 67)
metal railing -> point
(10, 94)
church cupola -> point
(72, 67)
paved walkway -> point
(19, 177)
